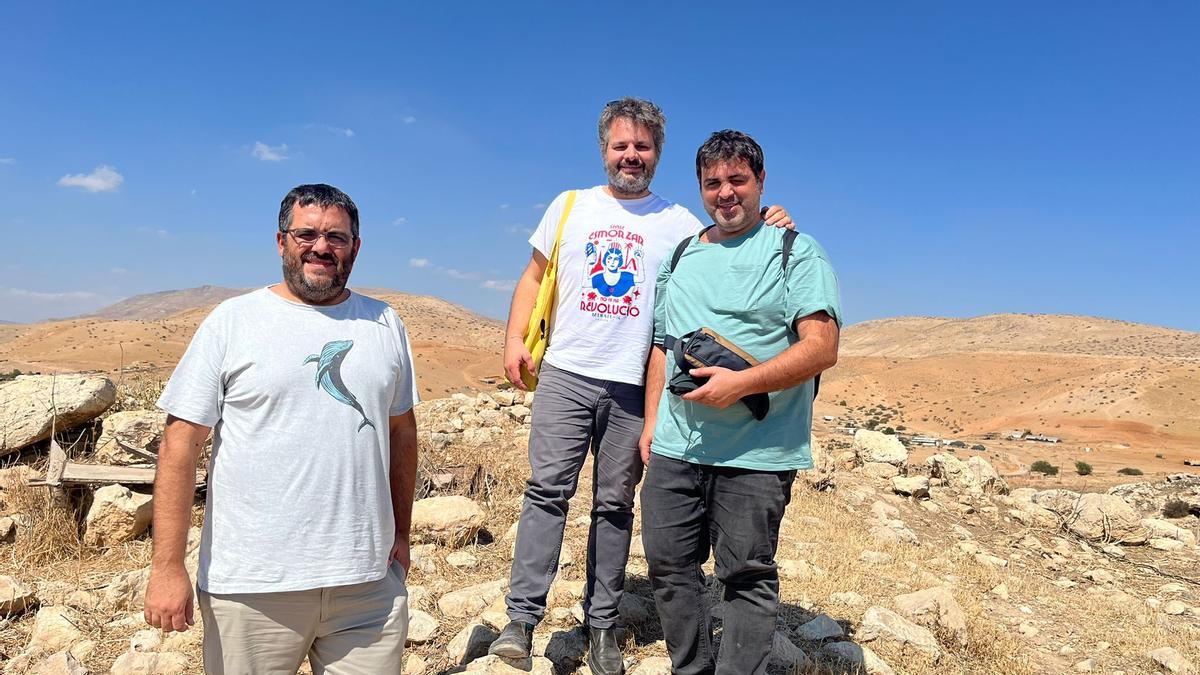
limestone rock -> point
(873, 446)
(149, 663)
(471, 643)
(496, 665)
(883, 624)
(1170, 659)
(469, 601)
(875, 558)
(916, 487)
(820, 628)
(1099, 517)
(1163, 529)
(422, 627)
(60, 663)
(881, 470)
(140, 429)
(652, 665)
(505, 398)
(54, 630)
(15, 597)
(785, 654)
(146, 640)
(453, 521)
(975, 476)
(935, 607)
(117, 515)
(859, 657)
(29, 403)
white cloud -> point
(19, 304)
(340, 131)
(499, 285)
(103, 178)
(158, 232)
(427, 264)
(540, 206)
(270, 153)
(458, 274)
(519, 230)
(408, 119)
(399, 221)
(504, 206)
(418, 263)
(7, 160)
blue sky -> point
(954, 158)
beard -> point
(629, 185)
(319, 290)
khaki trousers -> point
(357, 629)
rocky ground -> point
(886, 565)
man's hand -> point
(644, 444)
(400, 552)
(723, 389)
(776, 215)
(516, 356)
(169, 599)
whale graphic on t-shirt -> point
(329, 375)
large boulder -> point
(1099, 517)
(451, 521)
(118, 514)
(873, 446)
(31, 405)
(60, 663)
(140, 429)
(1165, 530)
(54, 629)
(975, 476)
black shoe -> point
(514, 642)
(604, 654)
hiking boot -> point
(514, 642)
(604, 654)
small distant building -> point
(1039, 438)
(926, 441)
(1015, 434)
(829, 418)
(849, 431)
(1191, 462)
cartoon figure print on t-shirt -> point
(329, 375)
(614, 273)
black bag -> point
(706, 347)
(789, 238)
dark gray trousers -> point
(572, 416)
(688, 509)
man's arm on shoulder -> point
(402, 454)
(524, 297)
(169, 592)
(814, 353)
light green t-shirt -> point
(738, 288)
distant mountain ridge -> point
(162, 304)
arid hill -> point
(155, 306)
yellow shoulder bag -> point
(537, 333)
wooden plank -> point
(58, 463)
(144, 454)
(105, 474)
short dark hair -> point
(729, 144)
(321, 195)
(638, 111)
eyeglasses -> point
(308, 237)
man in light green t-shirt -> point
(718, 478)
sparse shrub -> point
(1043, 467)
(1130, 471)
(1083, 468)
(901, 427)
(871, 424)
(889, 431)
(842, 403)
(979, 447)
(11, 375)
(1176, 508)
(1158, 456)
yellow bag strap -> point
(562, 220)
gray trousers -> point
(572, 416)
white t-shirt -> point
(299, 397)
(607, 265)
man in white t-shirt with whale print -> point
(590, 395)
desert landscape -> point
(1003, 494)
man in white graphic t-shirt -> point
(308, 388)
(591, 395)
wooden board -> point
(105, 474)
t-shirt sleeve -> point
(542, 238)
(406, 395)
(811, 285)
(197, 387)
